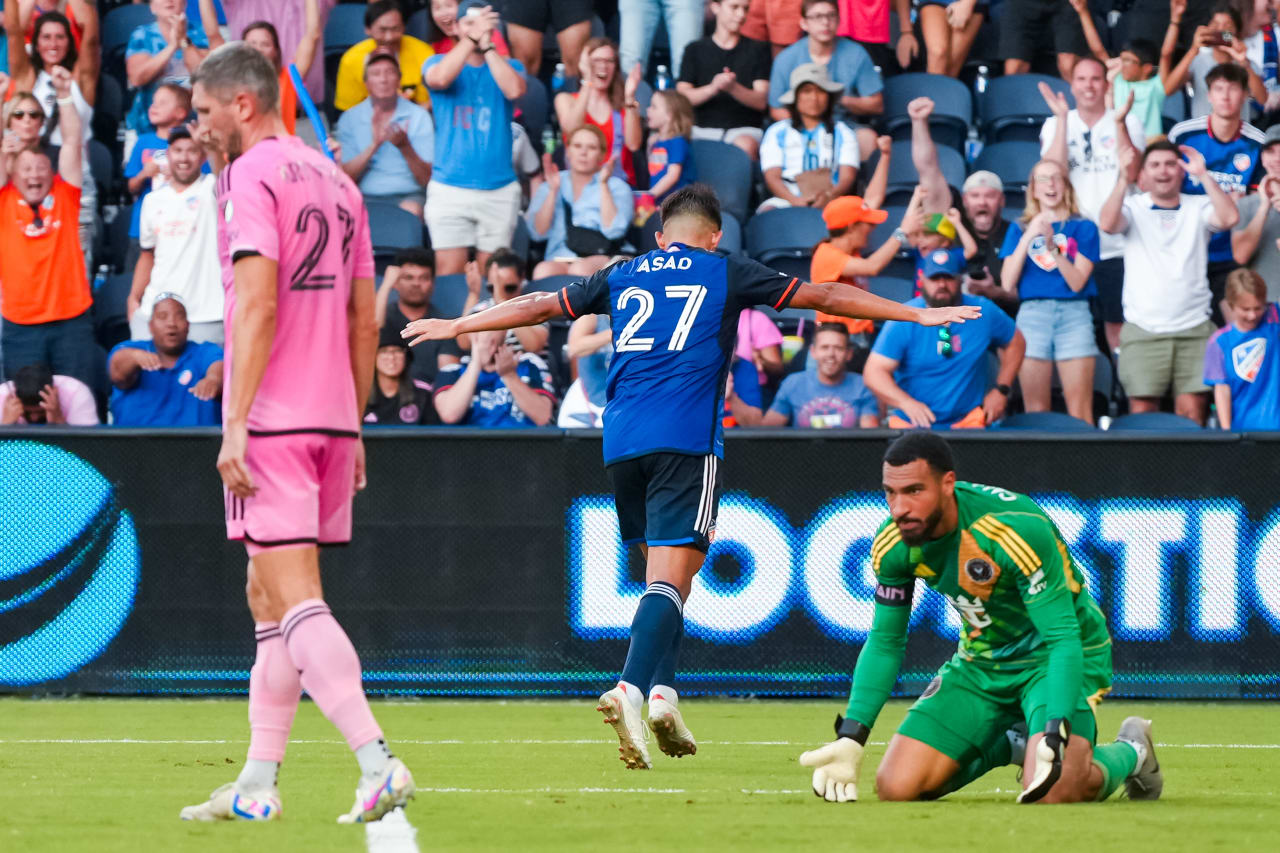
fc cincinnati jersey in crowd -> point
(1246, 363)
(1234, 163)
(289, 203)
(675, 319)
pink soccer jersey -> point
(287, 202)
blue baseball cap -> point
(942, 262)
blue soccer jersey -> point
(675, 319)
(1248, 363)
(1234, 163)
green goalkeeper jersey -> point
(1007, 572)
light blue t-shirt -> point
(387, 173)
(147, 39)
(473, 133)
(586, 213)
(1248, 363)
(163, 398)
(951, 385)
(850, 65)
(1040, 276)
(807, 401)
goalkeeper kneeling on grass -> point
(1034, 648)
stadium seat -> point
(109, 310)
(727, 168)
(731, 235)
(520, 239)
(952, 107)
(108, 111)
(1012, 161)
(1174, 110)
(550, 284)
(345, 28)
(795, 266)
(903, 176)
(103, 167)
(1046, 421)
(785, 232)
(419, 25)
(1013, 108)
(534, 107)
(644, 94)
(449, 295)
(113, 248)
(117, 26)
(897, 289)
(393, 229)
(1162, 421)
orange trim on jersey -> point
(564, 303)
(786, 294)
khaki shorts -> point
(1152, 364)
(461, 218)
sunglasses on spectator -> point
(27, 114)
(945, 348)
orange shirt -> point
(288, 101)
(828, 265)
(42, 276)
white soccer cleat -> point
(375, 797)
(627, 722)
(227, 804)
(1146, 782)
(673, 736)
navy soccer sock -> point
(665, 674)
(658, 622)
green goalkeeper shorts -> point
(968, 705)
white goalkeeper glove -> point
(836, 765)
(1050, 751)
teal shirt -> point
(1148, 102)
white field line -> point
(532, 742)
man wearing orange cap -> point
(849, 221)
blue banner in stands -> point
(489, 564)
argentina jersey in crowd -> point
(674, 320)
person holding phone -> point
(1212, 45)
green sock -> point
(1116, 761)
(995, 754)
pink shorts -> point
(305, 483)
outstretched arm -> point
(527, 310)
(858, 304)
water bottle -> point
(972, 146)
(557, 78)
(104, 272)
(548, 140)
(663, 81)
(983, 74)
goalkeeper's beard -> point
(926, 530)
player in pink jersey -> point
(297, 266)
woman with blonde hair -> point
(1048, 262)
(606, 102)
(670, 155)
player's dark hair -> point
(507, 260)
(694, 200)
(1144, 49)
(921, 444)
(418, 256)
(1159, 145)
(374, 11)
(1230, 72)
(29, 381)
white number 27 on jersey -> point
(692, 294)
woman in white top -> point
(809, 158)
(52, 44)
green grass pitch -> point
(111, 774)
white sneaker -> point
(227, 804)
(374, 798)
(627, 722)
(673, 736)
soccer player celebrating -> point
(674, 318)
(297, 268)
(1033, 646)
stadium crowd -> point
(1100, 176)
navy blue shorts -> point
(667, 499)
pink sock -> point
(330, 669)
(274, 690)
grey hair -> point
(235, 67)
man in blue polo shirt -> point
(936, 377)
(168, 380)
(473, 199)
(1232, 149)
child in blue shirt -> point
(1242, 360)
(670, 155)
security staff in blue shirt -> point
(674, 315)
(936, 377)
(168, 380)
